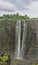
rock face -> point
(30, 39)
(7, 38)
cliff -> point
(7, 38)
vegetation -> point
(4, 59)
(14, 17)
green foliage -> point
(14, 17)
(3, 59)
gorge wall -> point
(7, 37)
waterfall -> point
(20, 43)
(18, 39)
(24, 38)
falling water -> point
(20, 43)
(18, 38)
(24, 38)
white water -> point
(18, 36)
(24, 38)
(19, 52)
(22, 52)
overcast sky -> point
(29, 7)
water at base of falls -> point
(19, 50)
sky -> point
(23, 7)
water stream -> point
(19, 50)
